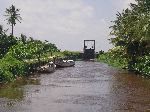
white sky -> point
(66, 23)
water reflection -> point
(130, 92)
(14, 90)
(87, 87)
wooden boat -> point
(48, 68)
(64, 63)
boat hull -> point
(48, 68)
(65, 63)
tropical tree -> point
(1, 30)
(131, 30)
(23, 38)
(49, 47)
(12, 15)
(6, 42)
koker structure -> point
(89, 49)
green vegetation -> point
(19, 56)
(131, 38)
(71, 54)
(13, 62)
(114, 58)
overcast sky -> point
(66, 23)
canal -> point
(87, 87)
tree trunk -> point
(51, 53)
(12, 33)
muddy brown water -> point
(87, 87)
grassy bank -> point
(12, 68)
(140, 66)
(113, 60)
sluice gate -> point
(89, 49)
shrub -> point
(115, 57)
(10, 68)
(142, 65)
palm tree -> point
(12, 16)
(1, 29)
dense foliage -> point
(5, 42)
(72, 55)
(13, 56)
(131, 38)
(11, 68)
(115, 58)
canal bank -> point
(87, 87)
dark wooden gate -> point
(89, 50)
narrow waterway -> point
(87, 87)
